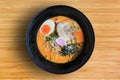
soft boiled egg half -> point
(47, 27)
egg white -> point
(51, 23)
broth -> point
(60, 39)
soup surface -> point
(60, 39)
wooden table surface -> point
(15, 63)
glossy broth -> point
(60, 39)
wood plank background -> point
(15, 63)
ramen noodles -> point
(60, 39)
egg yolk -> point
(45, 29)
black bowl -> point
(80, 60)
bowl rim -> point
(84, 61)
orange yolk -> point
(45, 29)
